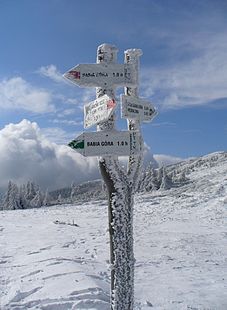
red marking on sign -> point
(75, 74)
(111, 104)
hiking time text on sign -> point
(136, 108)
(120, 143)
(102, 75)
(98, 111)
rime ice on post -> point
(120, 202)
(108, 143)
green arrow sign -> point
(120, 143)
(76, 144)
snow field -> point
(180, 240)
(52, 265)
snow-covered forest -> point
(25, 196)
(30, 195)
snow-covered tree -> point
(37, 201)
(166, 180)
(27, 196)
(11, 200)
(73, 188)
(59, 200)
(46, 199)
(147, 179)
(146, 184)
(31, 190)
(24, 204)
(181, 178)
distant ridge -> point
(174, 175)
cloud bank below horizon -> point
(26, 154)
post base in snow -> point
(120, 211)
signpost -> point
(119, 143)
(98, 111)
(101, 75)
(108, 143)
(136, 108)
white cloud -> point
(16, 93)
(25, 154)
(200, 80)
(57, 135)
(67, 112)
(68, 122)
(161, 124)
(83, 95)
(164, 160)
(52, 73)
(72, 101)
(88, 95)
(148, 158)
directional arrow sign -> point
(98, 111)
(102, 75)
(120, 143)
(136, 108)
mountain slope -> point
(177, 175)
(180, 239)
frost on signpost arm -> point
(135, 162)
(107, 54)
(121, 243)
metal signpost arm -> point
(121, 257)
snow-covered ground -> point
(180, 248)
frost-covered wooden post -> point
(108, 54)
(120, 191)
(108, 144)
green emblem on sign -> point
(76, 144)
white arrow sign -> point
(98, 111)
(136, 108)
(120, 143)
(102, 75)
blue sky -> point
(183, 67)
